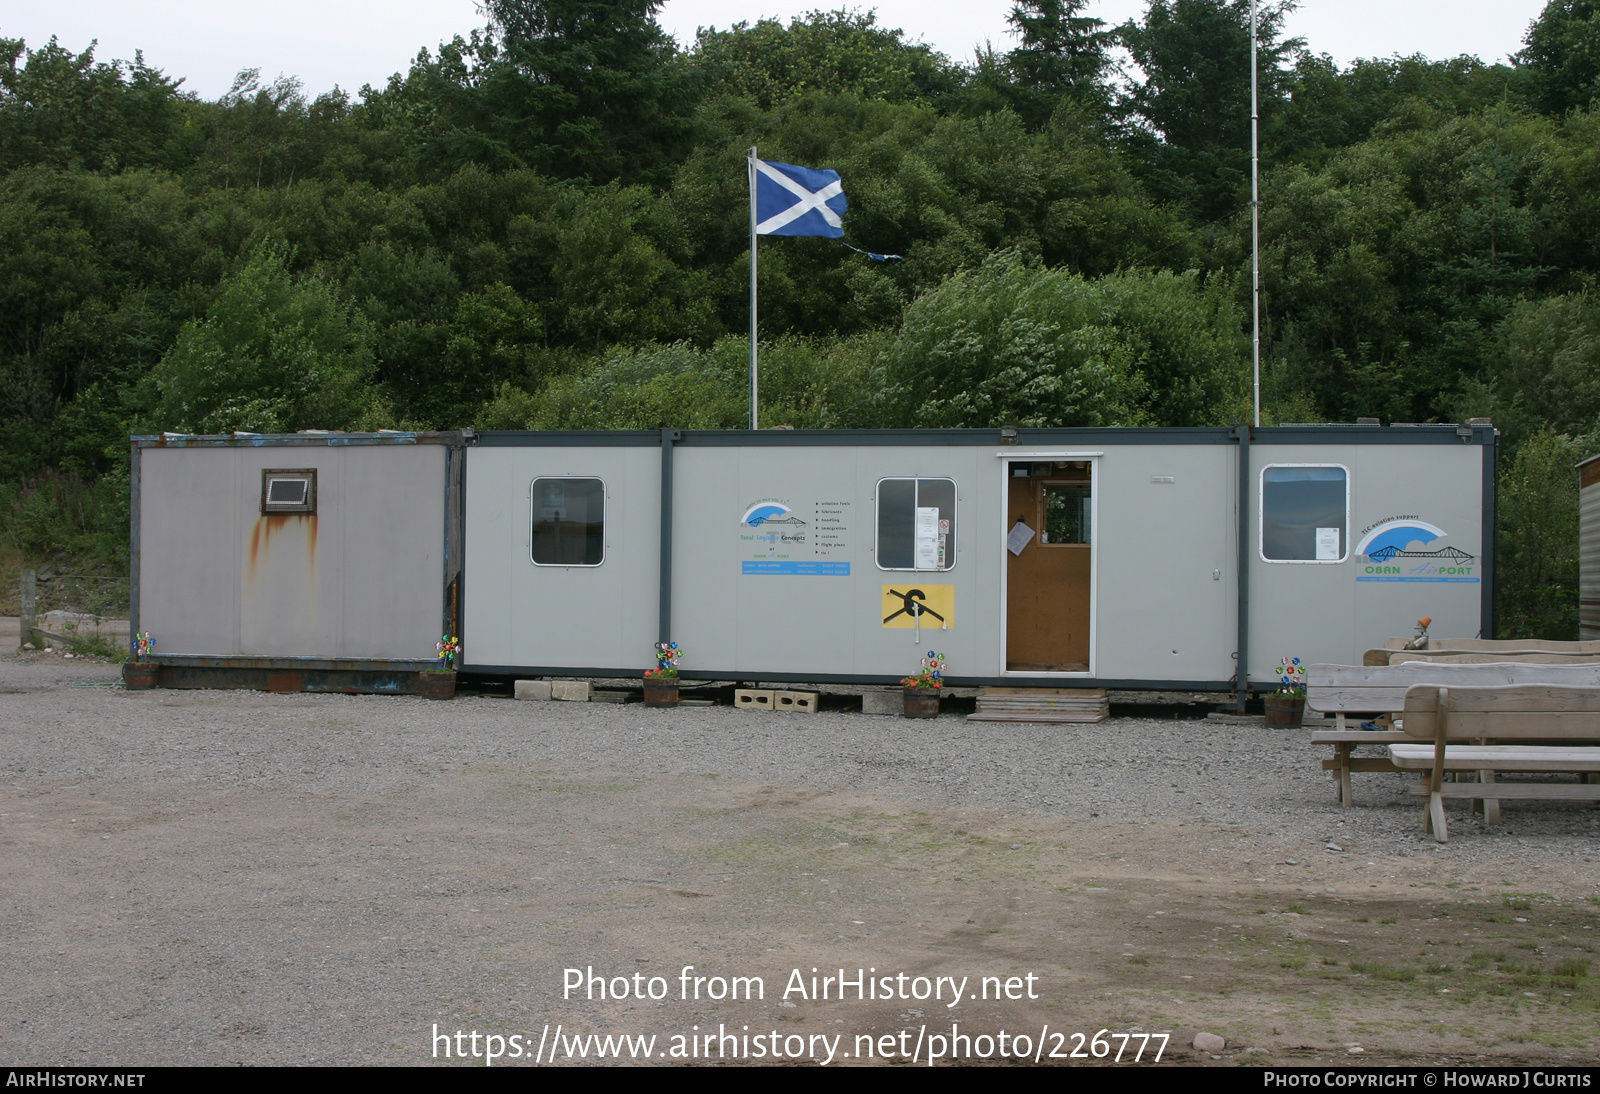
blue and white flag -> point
(798, 201)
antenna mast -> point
(1255, 220)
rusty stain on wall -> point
(261, 538)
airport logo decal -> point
(774, 536)
(1407, 549)
(769, 512)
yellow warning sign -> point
(925, 606)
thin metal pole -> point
(755, 414)
(664, 621)
(1255, 219)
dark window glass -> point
(1303, 514)
(569, 522)
(286, 491)
(916, 524)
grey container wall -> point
(1589, 548)
(368, 578)
(1166, 589)
(1332, 612)
(601, 617)
(760, 624)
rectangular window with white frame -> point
(568, 522)
(916, 524)
(1305, 513)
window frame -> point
(307, 475)
(1261, 519)
(955, 521)
(605, 539)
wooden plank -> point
(1360, 763)
(1525, 698)
(1489, 674)
(1094, 693)
(1359, 736)
(1465, 657)
(1503, 791)
(1547, 645)
(1080, 719)
(1495, 758)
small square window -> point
(289, 491)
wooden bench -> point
(1461, 721)
(1362, 690)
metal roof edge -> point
(328, 439)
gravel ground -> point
(219, 877)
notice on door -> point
(1019, 537)
(1327, 545)
(927, 533)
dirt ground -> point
(237, 878)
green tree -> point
(587, 87)
(1015, 343)
(273, 355)
(1536, 571)
(1062, 52)
(1561, 55)
(834, 52)
(1191, 114)
(62, 109)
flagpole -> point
(1255, 223)
(754, 402)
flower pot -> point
(922, 702)
(137, 675)
(661, 693)
(1284, 710)
(436, 685)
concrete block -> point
(892, 703)
(800, 702)
(533, 689)
(752, 698)
(571, 691)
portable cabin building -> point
(1128, 558)
(313, 561)
(1589, 548)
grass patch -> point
(1292, 963)
(1571, 967)
(1380, 971)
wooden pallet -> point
(1081, 705)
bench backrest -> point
(1381, 689)
(1486, 645)
(1537, 712)
(1483, 657)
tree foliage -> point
(543, 222)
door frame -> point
(1006, 457)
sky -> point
(354, 42)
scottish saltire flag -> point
(798, 201)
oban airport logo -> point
(1408, 549)
(769, 513)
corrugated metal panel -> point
(1589, 551)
